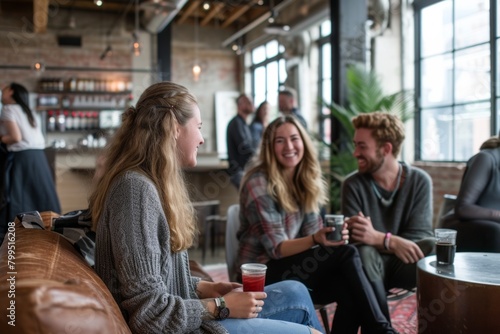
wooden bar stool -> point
(207, 213)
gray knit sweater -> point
(409, 216)
(152, 285)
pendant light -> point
(136, 46)
(196, 66)
(38, 65)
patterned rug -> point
(403, 311)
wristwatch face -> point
(223, 313)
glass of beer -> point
(336, 221)
(445, 245)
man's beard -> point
(372, 165)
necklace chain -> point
(388, 202)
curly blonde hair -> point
(308, 190)
(384, 128)
(145, 142)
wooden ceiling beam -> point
(40, 16)
(215, 10)
(238, 13)
(189, 10)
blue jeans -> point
(287, 309)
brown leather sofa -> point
(47, 287)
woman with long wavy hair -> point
(144, 224)
(280, 200)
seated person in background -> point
(476, 216)
(260, 122)
(144, 224)
(280, 226)
(388, 205)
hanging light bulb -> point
(98, 3)
(136, 46)
(196, 66)
(38, 66)
(196, 72)
(272, 17)
(137, 49)
(206, 5)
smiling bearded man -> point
(389, 205)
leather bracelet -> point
(387, 239)
(314, 240)
(221, 311)
(217, 305)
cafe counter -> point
(74, 171)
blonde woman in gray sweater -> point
(144, 224)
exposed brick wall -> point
(446, 179)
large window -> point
(268, 72)
(457, 98)
(325, 80)
(267, 66)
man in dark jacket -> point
(239, 140)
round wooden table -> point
(460, 298)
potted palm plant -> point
(364, 95)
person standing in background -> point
(29, 184)
(287, 104)
(260, 122)
(240, 144)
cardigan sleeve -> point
(417, 209)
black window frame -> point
(494, 40)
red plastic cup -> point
(253, 276)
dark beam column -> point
(348, 40)
(164, 42)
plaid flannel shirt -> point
(264, 225)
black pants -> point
(3, 167)
(335, 274)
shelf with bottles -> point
(63, 121)
(83, 102)
(84, 85)
(83, 94)
(60, 121)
